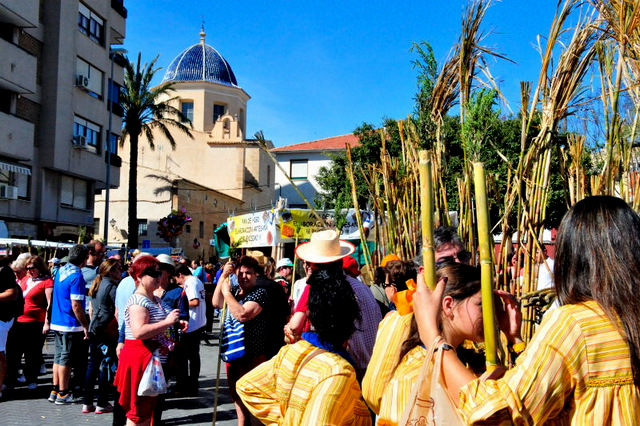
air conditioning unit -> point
(80, 141)
(82, 81)
(8, 192)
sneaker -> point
(32, 386)
(43, 369)
(64, 400)
(53, 396)
(106, 409)
(88, 408)
(21, 378)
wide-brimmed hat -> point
(324, 247)
(257, 255)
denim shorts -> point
(67, 344)
(5, 326)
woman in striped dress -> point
(583, 364)
(313, 381)
(398, 354)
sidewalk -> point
(23, 407)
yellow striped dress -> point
(389, 380)
(575, 371)
(297, 388)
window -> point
(113, 98)
(201, 230)
(90, 131)
(7, 102)
(298, 169)
(20, 180)
(218, 111)
(90, 24)
(187, 228)
(113, 143)
(187, 109)
(142, 227)
(73, 192)
(92, 78)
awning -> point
(15, 168)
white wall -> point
(309, 186)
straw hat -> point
(324, 247)
(257, 255)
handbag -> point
(232, 340)
(153, 382)
(430, 402)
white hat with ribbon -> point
(324, 247)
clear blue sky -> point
(316, 69)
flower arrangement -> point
(172, 225)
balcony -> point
(21, 13)
(17, 69)
(18, 134)
(118, 6)
(117, 109)
(116, 161)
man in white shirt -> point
(188, 357)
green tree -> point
(336, 191)
(146, 109)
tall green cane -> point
(426, 209)
(486, 266)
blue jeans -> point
(93, 373)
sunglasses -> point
(462, 256)
(152, 272)
(30, 268)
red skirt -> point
(134, 357)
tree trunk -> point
(132, 228)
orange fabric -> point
(389, 258)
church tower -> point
(209, 92)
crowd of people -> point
(581, 366)
(106, 321)
(330, 348)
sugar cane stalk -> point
(426, 204)
(486, 266)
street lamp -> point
(112, 53)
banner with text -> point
(303, 223)
(252, 230)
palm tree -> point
(145, 109)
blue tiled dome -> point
(200, 62)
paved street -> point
(23, 407)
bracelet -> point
(444, 347)
(518, 348)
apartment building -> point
(59, 88)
